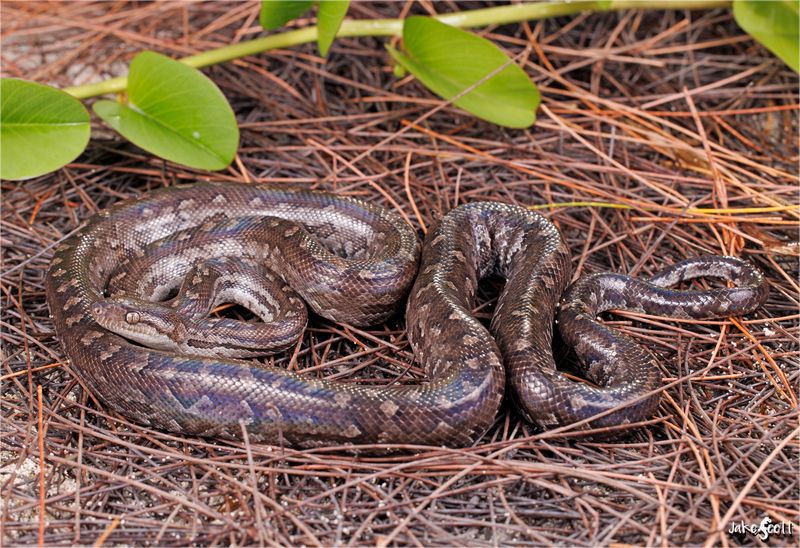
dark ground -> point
(680, 133)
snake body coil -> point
(354, 262)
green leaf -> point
(775, 24)
(448, 61)
(175, 112)
(329, 19)
(276, 13)
(41, 129)
(399, 71)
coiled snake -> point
(354, 262)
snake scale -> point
(354, 262)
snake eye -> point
(132, 317)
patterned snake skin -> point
(356, 268)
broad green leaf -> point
(41, 129)
(329, 19)
(775, 24)
(175, 112)
(276, 13)
(448, 61)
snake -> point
(157, 358)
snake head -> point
(152, 324)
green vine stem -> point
(393, 27)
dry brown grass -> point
(661, 113)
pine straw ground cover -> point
(672, 135)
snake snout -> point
(105, 311)
(101, 310)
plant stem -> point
(394, 27)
